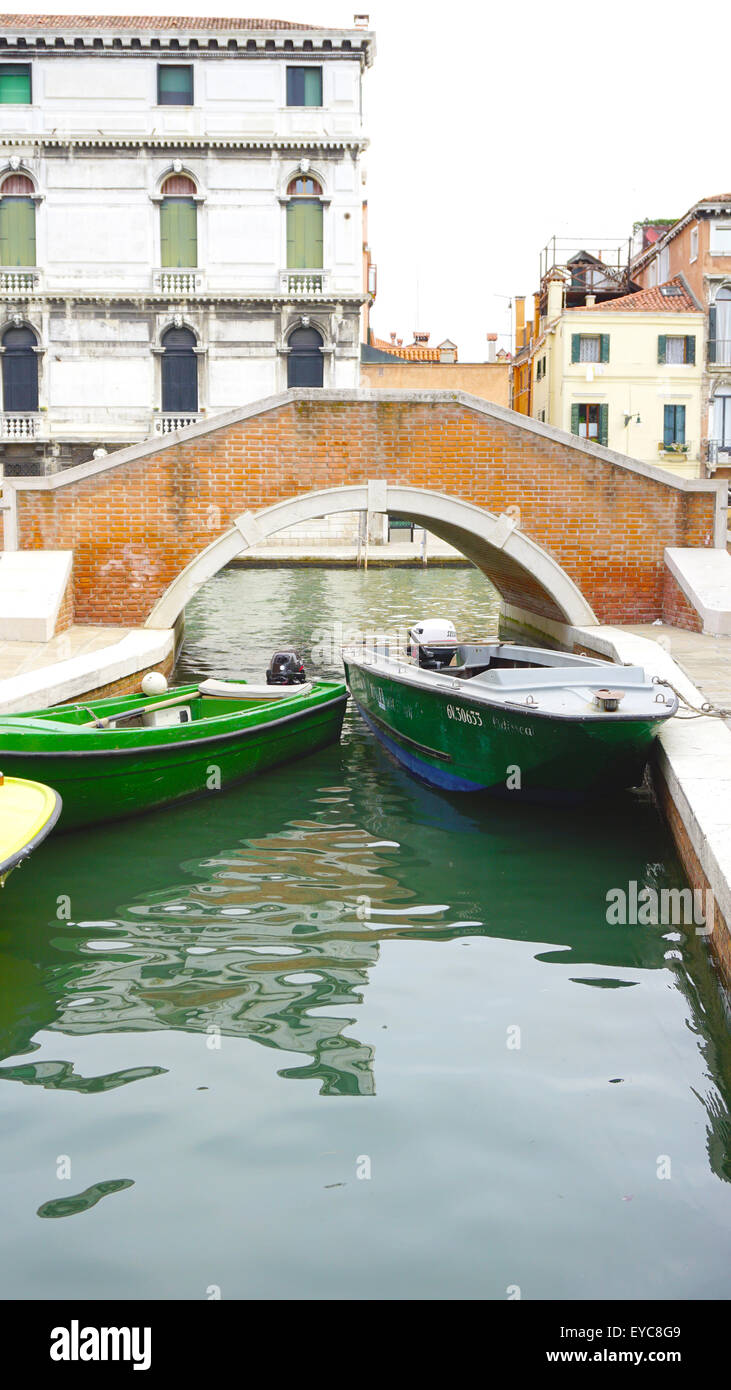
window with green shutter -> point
(690, 350)
(178, 233)
(304, 86)
(575, 347)
(17, 231)
(15, 84)
(574, 419)
(174, 84)
(662, 349)
(603, 425)
(304, 235)
(604, 345)
(674, 425)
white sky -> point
(495, 126)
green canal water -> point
(335, 1035)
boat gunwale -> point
(141, 749)
(483, 697)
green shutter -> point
(603, 424)
(662, 348)
(313, 86)
(668, 433)
(304, 235)
(574, 419)
(14, 84)
(604, 354)
(712, 334)
(178, 233)
(690, 350)
(575, 347)
(17, 231)
(680, 424)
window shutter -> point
(17, 231)
(680, 424)
(304, 236)
(662, 348)
(15, 84)
(712, 334)
(604, 354)
(574, 419)
(178, 233)
(575, 347)
(603, 424)
(690, 350)
(312, 87)
(668, 436)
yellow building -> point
(626, 373)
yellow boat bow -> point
(28, 812)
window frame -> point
(304, 68)
(694, 240)
(674, 430)
(175, 67)
(28, 68)
(718, 225)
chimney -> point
(420, 338)
(554, 305)
(519, 321)
(399, 342)
(590, 301)
(491, 349)
(393, 339)
(360, 21)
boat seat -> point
(241, 690)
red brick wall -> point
(676, 608)
(135, 526)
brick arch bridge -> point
(565, 529)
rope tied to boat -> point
(704, 711)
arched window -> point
(179, 372)
(720, 327)
(20, 371)
(178, 223)
(304, 224)
(17, 221)
(305, 362)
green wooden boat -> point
(120, 756)
(510, 720)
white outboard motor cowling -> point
(432, 642)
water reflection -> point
(271, 930)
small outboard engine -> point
(433, 642)
(285, 668)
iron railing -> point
(719, 352)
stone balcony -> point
(19, 279)
(306, 284)
(17, 426)
(176, 282)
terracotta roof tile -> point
(647, 300)
(147, 21)
(414, 353)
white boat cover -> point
(241, 690)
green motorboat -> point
(515, 721)
(121, 756)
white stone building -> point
(181, 223)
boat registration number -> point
(464, 716)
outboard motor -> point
(285, 668)
(434, 642)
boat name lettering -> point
(464, 716)
(511, 728)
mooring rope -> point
(704, 711)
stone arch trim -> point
(493, 543)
